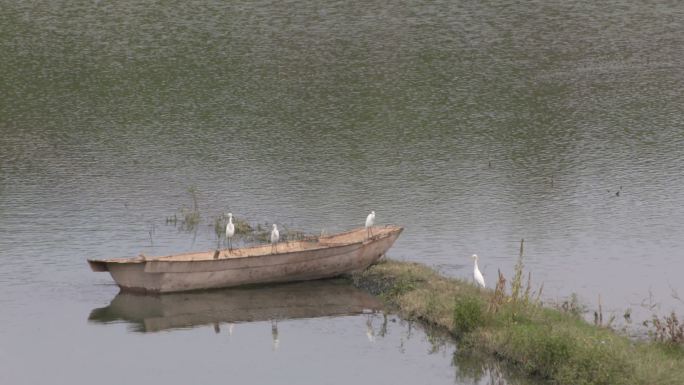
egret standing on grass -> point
(230, 230)
(370, 221)
(479, 279)
(275, 236)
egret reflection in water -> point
(152, 313)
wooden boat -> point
(303, 260)
(313, 299)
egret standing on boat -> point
(370, 221)
(275, 236)
(479, 279)
(230, 230)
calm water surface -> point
(474, 125)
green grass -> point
(468, 314)
(543, 342)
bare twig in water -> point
(649, 302)
(598, 315)
(675, 294)
(151, 233)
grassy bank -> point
(544, 342)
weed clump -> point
(242, 226)
(666, 330)
(189, 217)
(572, 306)
(468, 314)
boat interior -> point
(357, 235)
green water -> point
(472, 124)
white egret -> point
(275, 236)
(230, 230)
(370, 221)
(476, 272)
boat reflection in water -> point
(151, 313)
